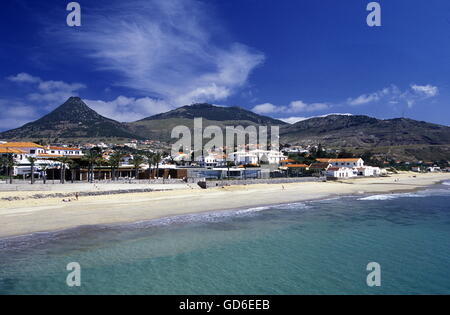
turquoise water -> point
(305, 248)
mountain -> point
(160, 126)
(216, 113)
(407, 138)
(73, 119)
(349, 130)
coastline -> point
(28, 216)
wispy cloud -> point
(15, 113)
(395, 95)
(293, 108)
(126, 109)
(167, 49)
(51, 93)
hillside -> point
(353, 131)
(74, 120)
(161, 125)
(401, 137)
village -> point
(32, 162)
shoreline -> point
(30, 216)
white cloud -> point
(293, 120)
(126, 109)
(167, 49)
(393, 95)
(426, 90)
(15, 114)
(293, 108)
(52, 93)
(24, 78)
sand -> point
(28, 216)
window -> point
(32, 151)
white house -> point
(349, 162)
(257, 157)
(63, 151)
(29, 148)
(341, 172)
(212, 160)
(368, 171)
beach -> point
(28, 215)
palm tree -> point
(3, 163)
(157, 157)
(64, 161)
(10, 163)
(92, 157)
(137, 161)
(229, 164)
(114, 163)
(72, 166)
(149, 156)
(32, 161)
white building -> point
(257, 157)
(63, 151)
(212, 160)
(349, 162)
(341, 172)
(368, 171)
(355, 164)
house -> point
(416, 169)
(340, 172)
(348, 162)
(29, 148)
(63, 151)
(257, 157)
(295, 169)
(212, 160)
(319, 168)
(368, 171)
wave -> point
(418, 194)
(42, 238)
(446, 183)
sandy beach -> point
(20, 217)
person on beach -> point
(76, 196)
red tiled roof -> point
(297, 165)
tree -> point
(91, 157)
(156, 160)
(64, 162)
(150, 161)
(229, 165)
(72, 166)
(137, 161)
(114, 163)
(10, 163)
(32, 161)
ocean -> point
(318, 247)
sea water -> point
(318, 247)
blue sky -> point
(289, 59)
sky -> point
(288, 59)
